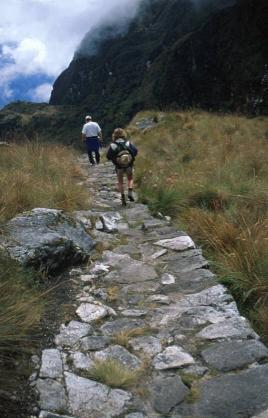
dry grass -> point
(114, 374)
(35, 175)
(21, 307)
(123, 337)
(210, 172)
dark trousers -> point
(91, 157)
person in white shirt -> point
(92, 135)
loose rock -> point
(171, 358)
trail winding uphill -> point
(150, 303)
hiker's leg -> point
(130, 181)
(97, 154)
(91, 158)
(120, 178)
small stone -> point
(87, 278)
(99, 226)
(120, 354)
(52, 395)
(181, 243)
(46, 414)
(149, 346)
(168, 278)
(121, 324)
(152, 224)
(89, 312)
(51, 365)
(171, 358)
(75, 272)
(99, 269)
(110, 221)
(158, 254)
(167, 393)
(81, 361)
(72, 333)
(195, 370)
(134, 313)
(93, 343)
(163, 299)
(35, 362)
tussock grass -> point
(210, 172)
(21, 307)
(35, 175)
(123, 337)
(114, 374)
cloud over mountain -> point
(39, 37)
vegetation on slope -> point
(34, 175)
(210, 173)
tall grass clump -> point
(21, 307)
(216, 167)
(114, 374)
(35, 175)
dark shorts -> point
(121, 171)
(93, 144)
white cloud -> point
(41, 93)
(40, 36)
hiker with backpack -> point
(92, 135)
(122, 153)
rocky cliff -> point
(211, 54)
(173, 54)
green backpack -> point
(124, 157)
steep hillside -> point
(174, 54)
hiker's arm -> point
(100, 136)
(110, 154)
(83, 137)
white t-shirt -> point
(91, 129)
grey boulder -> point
(46, 239)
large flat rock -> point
(212, 305)
(46, 239)
(72, 333)
(234, 354)
(127, 270)
(167, 392)
(51, 365)
(233, 328)
(119, 354)
(231, 396)
(88, 398)
(52, 396)
(122, 324)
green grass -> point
(210, 172)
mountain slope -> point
(174, 54)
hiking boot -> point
(123, 200)
(130, 195)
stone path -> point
(150, 303)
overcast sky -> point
(38, 39)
